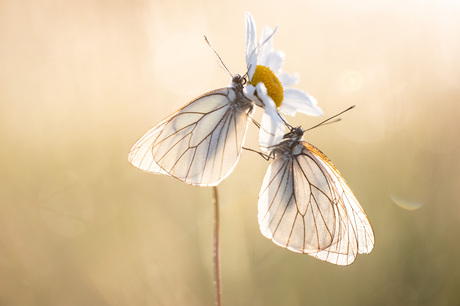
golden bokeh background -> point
(81, 81)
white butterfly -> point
(201, 143)
(306, 206)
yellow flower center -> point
(274, 88)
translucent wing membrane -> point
(201, 143)
(306, 206)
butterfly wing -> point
(199, 144)
(140, 155)
(306, 206)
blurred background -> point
(81, 81)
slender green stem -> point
(215, 251)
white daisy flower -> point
(268, 86)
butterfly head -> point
(291, 141)
(239, 80)
(295, 133)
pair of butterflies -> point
(304, 204)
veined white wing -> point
(201, 143)
(306, 206)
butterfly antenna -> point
(255, 122)
(333, 121)
(269, 37)
(290, 127)
(330, 118)
(220, 59)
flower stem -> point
(215, 251)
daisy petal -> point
(287, 80)
(271, 130)
(265, 46)
(272, 126)
(275, 61)
(249, 92)
(251, 37)
(296, 100)
(262, 92)
(252, 65)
